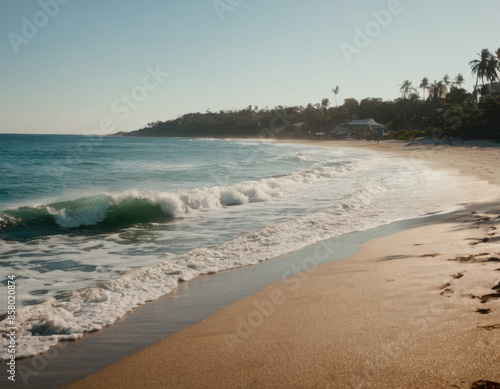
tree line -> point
(444, 108)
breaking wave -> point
(108, 211)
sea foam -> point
(135, 206)
(371, 198)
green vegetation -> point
(445, 109)
(407, 135)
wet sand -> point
(190, 303)
(417, 309)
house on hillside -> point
(364, 129)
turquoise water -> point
(93, 227)
(54, 169)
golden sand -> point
(417, 309)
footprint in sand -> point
(470, 258)
(492, 296)
(447, 292)
(483, 311)
(485, 385)
(490, 327)
(482, 240)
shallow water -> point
(92, 230)
(191, 302)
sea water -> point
(93, 227)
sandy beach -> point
(417, 309)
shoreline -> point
(193, 302)
(199, 353)
(436, 155)
(415, 324)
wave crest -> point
(131, 207)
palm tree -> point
(325, 103)
(336, 91)
(446, 81)
(491, 71)
(438, 90)
(406, 89)
(459, 80)
(424, 84)
(479, 67)
(413, 97)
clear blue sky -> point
(71, 72)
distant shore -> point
(417, 309)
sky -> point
(81, 67)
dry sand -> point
(417, 309)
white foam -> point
(374, 197)
(85, 216)
(181, 203)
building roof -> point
(353, 125)
(364, 122)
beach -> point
(417, 309)
(181, 206)
(167, 211)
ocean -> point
(93, 227)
